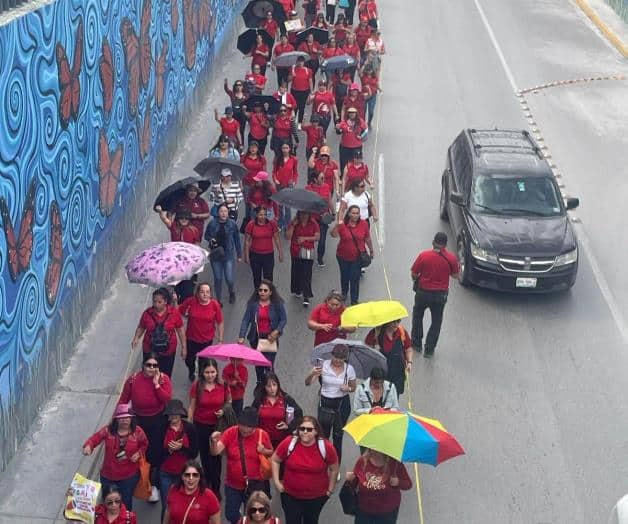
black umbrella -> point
(320, 35)
(212, 167)
(169, 197)
(269, 103)
(289, 59)
(246, 41)
(255, 11)
(301, 199)
(338, 62)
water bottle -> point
(289, 414)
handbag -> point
(251, 484)
(329, 417)
(265, 466)
(263, 344)
(143, 487)
(348, 498)
(306, 253)
(363, 258)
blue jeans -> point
(285, 216)
(370, 108)
(349, 278)
(222, 270)
(234, 499)
(126, 487)
(166, 480)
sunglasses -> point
(111, 502)
(191, 475)
(264, 290)
(151, 365)
(254, 510)
(283, 110)
(306, 429)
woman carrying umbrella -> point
(337, 379)
(354, 237)
(282, 47)
(180, 226)
(393, 341)
(310, 469)
(124, 442)
(285, 174)
(313, 49)
(302, 85)
(379, 480)
(223, 232)
(302, 232)
(323, 105)
(158, 328)
(238, 98)
(375, 392)
(236, 376)
(277, 411)
(316, 184)
(226, 192)
(260, 54)
(229, 126)
(224, 149)
(270, 25)
(261, 238)
(204, 320)
(263, 323)
(208, 395)
(325, 319)
(195, 204)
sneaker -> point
(154, 494)
(428, 353)
(296, 294)
(320, 262)
(231, 298)
(362, 270)
(306, 302)
(299, 127)
(418, 348)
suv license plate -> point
(525, 282)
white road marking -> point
(381, 200)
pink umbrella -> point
(227, 351)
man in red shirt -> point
(282, 47)
(270, 25)
(430, 273)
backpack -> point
(160, 338)
(321, 447)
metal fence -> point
(6, 5)
(621, 6)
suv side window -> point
(456, 153)
(466, 169)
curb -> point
(608, 33)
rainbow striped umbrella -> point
(404, 436)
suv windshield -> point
(515, 196)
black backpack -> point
(160, 339)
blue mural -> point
(89, 92)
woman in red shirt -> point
(164, 319)
(258, 126)
(229, 126)
(331, 49)
(270, 25)
(204, 315)
(379, 480)
(320, 22)
(315, 135)
(278, 412)
(113, 510)
(302, 85)
(302, 232)
(353, 131)
(325, 319)
(254, 161)
(313, 49)
(285, 175)
(236, 376)
(354, 237)
(341, 29)
(261, 238)
(284, 129)
(282, 47)
(124, 443)
(257, 510)
(180, 445)
(309, 473)
(328, 167)
(317, 184)
(189, 501)
(370, 88)
(260, 54)
(356, 170)
(180, 227)
(352, 49)
(323, 105)
(207, 398)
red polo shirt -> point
(174, 461)
(201, 506)
(190, 233)
(236, 385)
(280, 49)
(146, 399)
(328, 52)
(202, 319)
(352, 50)
(235, 477)
(288, 173)
(322, 315)
(254, 166)
(328, 170)
(323, 102)
(434, 269)
(208, 403)
(198, 206)
(149, 320)
(301, 78)
(260, 59)
(308, 230)
(114, 467)
(357, 102)
(311, 50)
(270, 415)
(347, 246)
(270, 26)
(262, 236)
(351, 133)
(282, 127)
(315, 136)
(355, 172)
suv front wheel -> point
(461, 251)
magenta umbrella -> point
(227, 351)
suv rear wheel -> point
(461, 251)
(442, 207)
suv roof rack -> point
(478, 146)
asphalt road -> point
(533, 387)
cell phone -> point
(319, 362)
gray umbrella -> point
(289, 59)
(361, 357)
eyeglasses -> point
(264, 290)
(283, 110)
(191, 475)
(306, 429)
(254, 510)
(151, 365)
(111, 502)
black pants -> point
(282, 74)
(334, 432)
(261, 141)
(193, 348)
(347, 154)
(322, 242)
(349, 11)
(301, 98)
(302, 511)
(261, 371)
(330, 13)
(262, 266)
(166, 362)
(382, 518)
(434, 301)
(301, 277)
(212, 465)
(325, 121)
(155, 429)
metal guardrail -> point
(6, 5)
(621, 7)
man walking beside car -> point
(430, 274)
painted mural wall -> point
(93, 96)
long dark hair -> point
(108, 489)
(164, 293)
(113, 425)
(222, 138)
(346, 218)
(259, 394)
(200, 383)
(275, 297)
(197, 466)
(279, 160)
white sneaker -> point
(299, 127)
(154, 494)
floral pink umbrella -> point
(166, 264)
(227, 351)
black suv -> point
(508, 216)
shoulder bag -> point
(329, 417)
(263, 344)
(251, 484)
(363, 257)
(187, 511)
(265, 466)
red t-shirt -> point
(235, 476)
(198, 206)
(351, 132)
(328, 170)
(202, 319)
(328, 52)
(258, 80)
(114, 467)
(270, 26)
(372, 82)
(362, 35)
(254, 166)
(282, 127)
(280, 49)
(205, 505)
(125, 516)
(346, 246)
(287, 173)
(190, 233)
(147, 400)
(322, 315)
(230, 128)
(322, 103)
(375, 494)
(259, 59)
(258, 126)
(174, 461)
(208, 403)
(351, 50)
(236, 385)
(263, 319)
(270, 415)
(305, 473)
(301, 77)
(434, 269)
(308, 230)
(288, 5)
(149, 320)
(358, 102)
(340, 32)
(315, 136)
(262, 236)
(311, 50)
(355, 172)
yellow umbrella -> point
(373, 314)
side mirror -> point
(572, 203)
(456, 198)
